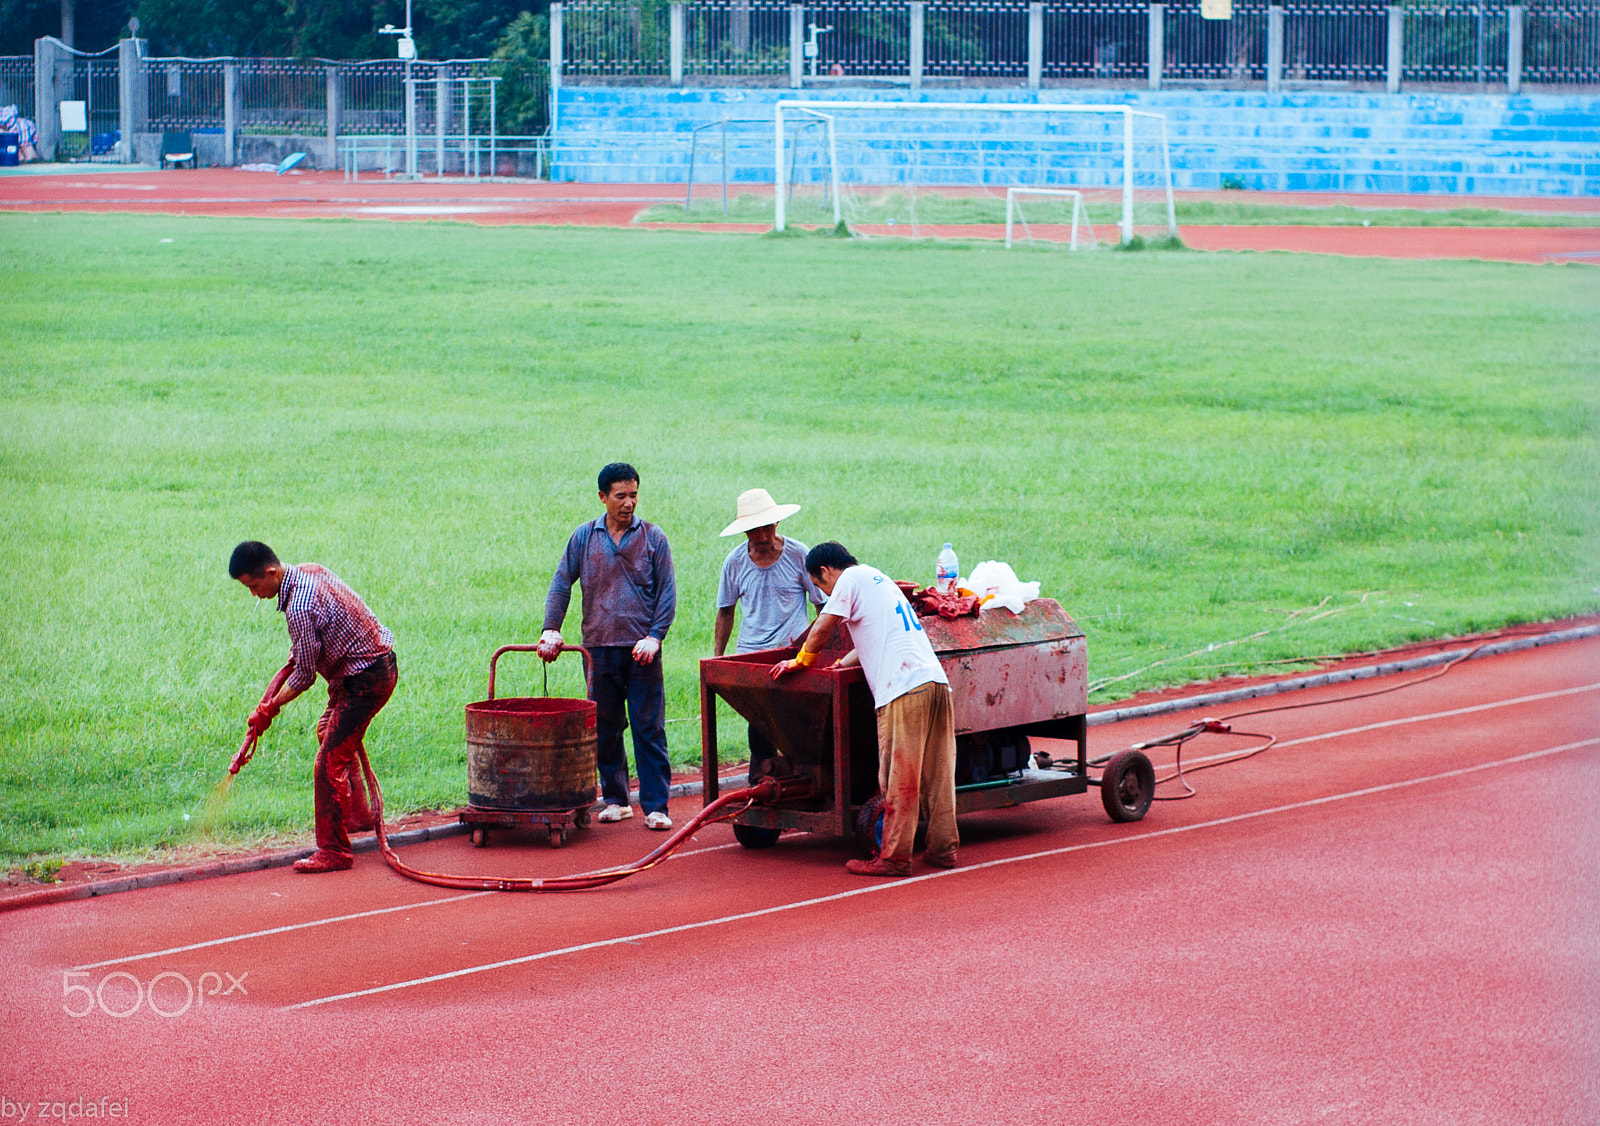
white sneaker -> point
(616, 813)
(658, 820)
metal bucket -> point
(530, 752)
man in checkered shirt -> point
(331, 632)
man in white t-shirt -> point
(766, 578)
(916, 724)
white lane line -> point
(333, 919)
(1407, 719)
(282, 930)
(955, 872)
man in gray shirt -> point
(630, 596)
(767, 574)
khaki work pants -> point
(917, 772)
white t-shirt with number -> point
(894, 650)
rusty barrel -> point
(531, 753)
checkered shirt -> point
(331, 631)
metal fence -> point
(1336, 43)
(862, 37)
(1455, 44)
(976, 40)
(622, 38)
(736, 37)
(1561, 45)
(276, 96)
(16, 83)
(1108, 40)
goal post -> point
(1081, 140)
(1067, 193)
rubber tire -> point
(755, 836)
(480, 837)
(557, 836)
(1128, 786)
(581, 819)
(869, 827)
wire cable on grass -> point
(1295, 620)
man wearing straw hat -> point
(767, 573)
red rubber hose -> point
(248, 747)
(726, 806)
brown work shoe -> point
(879, 867)
(940, 861)
(324, 860)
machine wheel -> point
(480, 836)
(869, 827)
(1128, 786)
(754, 836)
(557, 837)
(581, 819)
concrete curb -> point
(368, 843)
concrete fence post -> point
(1397, 48)
(133, 94)
(335, 80)
(919, 12)
(1035, 45)
(675, 33)
(230, 114)
(556, 48)
(441, 120)
(52, 82)
(1274, 48)
(797, 44)
(1514, 48)
(1157, 43)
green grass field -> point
(1186, 449)
(879, 206)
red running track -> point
(1388, 918)
(326, 195)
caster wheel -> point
(1128, 786)
(557, 837)
(581, 820)
(480, 836)
(754, 836)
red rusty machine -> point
(1013, 678)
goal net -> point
(1088, 175)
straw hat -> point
(757, 509)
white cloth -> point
(773, 597)
(895, 652)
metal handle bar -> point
(588, 663)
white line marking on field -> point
(282, 929)
(430, 209)
(334, 919)
(1399, 722)
(956, 872)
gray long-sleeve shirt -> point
(629, 589)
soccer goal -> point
(946, 169)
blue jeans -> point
(620, 681)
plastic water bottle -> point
(946, 571)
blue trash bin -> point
(10, 149)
